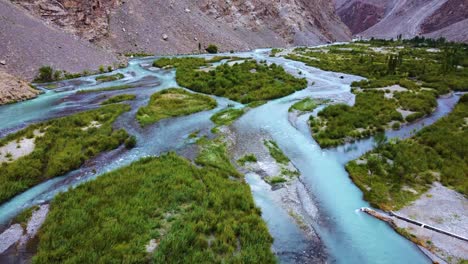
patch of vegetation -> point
(186, 62)
(48, 74)
(399, 172)
(173, 102)
(106, 89)
(24, 217)
(227, 116)
(194, 215)
(276, 180)
(110, 78)
(213, 154)
(276, 152)
(338, 123)
(305, 105)
(275, 51)
(243, 82)
(247, 158)
(66, 144)
(409, 64)
(119, 98)
(194, 134)
(256, 104)
(212, 49)
(138, 54)
(130, 142)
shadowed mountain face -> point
(390, 18)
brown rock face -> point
(88, 19)
(121, 25)
(359, 16)
(13, 89)
(27, 43)
(295, 21)
(390, 18)
(449, 13)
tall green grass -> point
(195, 215)
(436, 153)
(66, 144)
(171, 103)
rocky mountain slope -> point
(13, 89)
(182, 26)
(27, 43)
(390, 18)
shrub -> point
(46, 74)
(212, 49)
(247, 158)
(130, 142)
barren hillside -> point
(390, 18)
(13, 89)
(27, 43)
(169, 26)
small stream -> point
(349, 236)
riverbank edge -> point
(423, 247)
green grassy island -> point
(245, 82)
(173, 102)
(404, 79)
(159, 210)
(55, 147)
(398, 172)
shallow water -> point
(349, 236)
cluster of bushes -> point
(227, 116)
(48, 74)
(338, 123)
(275, 152)
(407, 63)
(109, 78)
(213, 155)
(193, 215)
(212, 49)
(436, 69)
(119, 98)
(173, 102)
(247, 158)
(305, 105)
(275, 51)
(245, 82)
(398, 172)
(66, 144)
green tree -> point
(213, 49)
(46, 74)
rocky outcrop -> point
(27, 43)
(451, 12)
(13, 89)
(360, 16)
(87, 19)
(390, 18)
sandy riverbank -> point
(441, 208)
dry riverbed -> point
(17, 236)
(291, 195)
